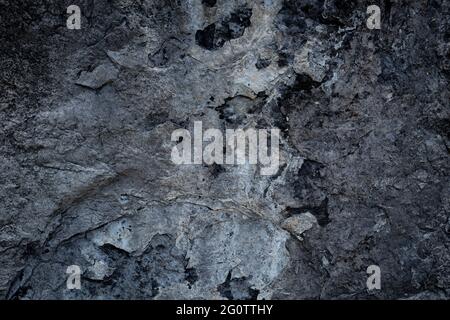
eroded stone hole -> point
(215, 35)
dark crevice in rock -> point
(237, 289)
(209, 3)
(205, 38)
(216, 169)
(224, 111)
(298, 18)
(191, 276)
(284, 59)
(113, 251)
(301, 89)
(224, 288)
(387, 10)
(309, 191)
(338, 13)
(215, 35)
(311, 169)
(304, 83)
(263, 63)
(236, 24)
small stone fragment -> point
(100, 76)
(298, 224)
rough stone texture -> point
(85, 171)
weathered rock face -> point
(87, 179)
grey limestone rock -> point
(86, 177)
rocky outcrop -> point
(87, 179)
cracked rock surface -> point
(85, 171)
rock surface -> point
(86, 177)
